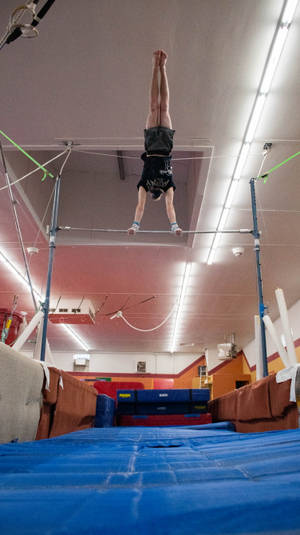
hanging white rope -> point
(119, 314)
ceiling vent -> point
(72, 311)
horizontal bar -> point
(239, 231)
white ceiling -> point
(85, 78)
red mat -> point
(157, 420)
(111, 388)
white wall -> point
(164, 363)
(294, 318)
(212, 359)
(156, 363)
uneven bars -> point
(239, 231)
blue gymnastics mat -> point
(163, 396)
(163, 481)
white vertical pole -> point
(272, 332)
(27, 331)
(292, 357)
(258, 349)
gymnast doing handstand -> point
(157, 176)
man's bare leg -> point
(165, 119)
(169, 198)
(139, 211)
(153, 118)
(158, 115)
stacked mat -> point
(159, 420)
(105, 411)
(163, 407)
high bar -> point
(121, 231)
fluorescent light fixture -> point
(15, 270)
(17, 273)
(255, 117)
(241, 161)
(272, 61)
(289, 11)
(213, 249)
(217, 239)
(211, 256)
(75, 336)
(186, 276)
(231, 193)
(223, 219)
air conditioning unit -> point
(141, 367)
(81, 359)
(72, 311)
(81, 362)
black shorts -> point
(157, 173)
(159, 140)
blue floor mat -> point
(159, 481)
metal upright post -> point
(261, 308)
(52, 239)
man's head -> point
(156, 193)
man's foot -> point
(176, 229)
(156, 58)
(133, 229)
(163, 58)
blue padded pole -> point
(52, 240)
(261, 307)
